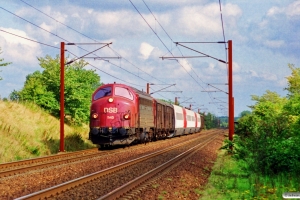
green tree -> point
(268, 138)
(265, 139)
(293, 81)
(268, 101)
(210, 121)
(14, 96)
(2, 64)
(244, 113)
(43, 88)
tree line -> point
(268, 138)
(43, 89)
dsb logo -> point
(110, 110)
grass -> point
(229, 181)
(28, 131)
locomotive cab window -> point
(123, 92)
(103, 92)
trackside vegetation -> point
(29, 122)
(265, 161)
(43, 89)
(3, 64)
(28, 131)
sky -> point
(265, 37)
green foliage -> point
(2, 64)
(43, 88)
(14, 96)
(229, 181)
(244, 113)
(210, 121)
(267, 139)
(228, 146)
(293, 81)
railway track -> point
(13, 168)
(18, 167)
(177, 152)
(124, 189)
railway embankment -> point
(27, 131)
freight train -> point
(121, 115)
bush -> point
(267, 141)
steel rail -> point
(117, 193)
(15, 171)
(43, 159)
(87, 178)
(49, 161)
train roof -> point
(164, 103)
(142, 94)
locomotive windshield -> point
(123, 92)
(103, 92)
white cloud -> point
(253, 73)
(46, 27)
(176, 70)
(269, 76)
(117, 22)
(293, 9)
(263, 23)
(274, 11)
(290, 10)
(238, 78)
(184, 63)
(199, 19)
(257, 41)
(16, 49)
(231, 14)
(211, 69)
(262, 76)
(236, 67)
(274, 43)
(9, 38)
(146, 49)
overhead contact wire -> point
(91, 39)
(29, 39)
(162, 41)
(106, 72)
(64, 40)
(60, 38)
(177, 47)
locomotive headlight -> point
(110, 100)
(126, 116)
(95, 116)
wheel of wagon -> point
(101, 147)
(146, 139)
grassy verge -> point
(28, 131)
(228, 180)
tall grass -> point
(28, 131)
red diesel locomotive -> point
(121, 115)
